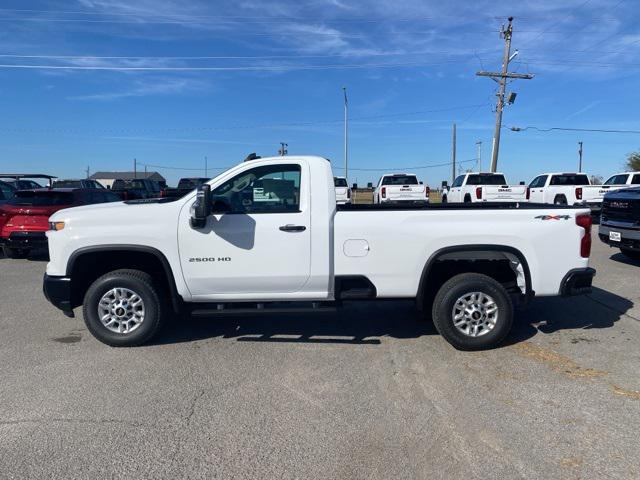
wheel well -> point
(86, 267)
(508, 267)
(560, 195)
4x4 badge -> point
(553, 217)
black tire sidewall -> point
(152, 308)
(457, 287)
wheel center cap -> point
(476, 315)
(120, 311)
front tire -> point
(15, 252)
(123, 308)
(473, 312)
(633, 254)
(444, 199)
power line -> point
(219, 69)
(570, 129)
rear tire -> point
(123, 308)
(473, 312)
(633, 254)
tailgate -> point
(405, 192)
(595, 193)
(504, 193)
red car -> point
(24, 219)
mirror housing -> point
(445, 184)
(201, 208)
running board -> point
(230, 309)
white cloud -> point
(147, 87)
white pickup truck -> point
(483, 187)
(400, 188)
(623, 180)
(267, 236)
(343, 192)
(568, 189)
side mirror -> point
(220, 204)
(522, 183)
(421, 183)
(445, 184)
(201, 208)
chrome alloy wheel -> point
(121, 310)
(475, 314)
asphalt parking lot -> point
(368, 393)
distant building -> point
(107, 178)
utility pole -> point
(283, 149)
(346, 134)
(580, 156)
(206, 167)
(479, 144)
(501, 78)
(88, 171)
(135, 168)
(453, 155)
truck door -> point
(536, 189)
(455, 193)
(261, 244)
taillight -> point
(427, 191)
(528, 193)
(585, 222)
(579, 193)
(384, 192)
(479, 193)
(161, 193)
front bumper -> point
(577, 282)
(58, 291)
(25, 240)
(629, 237)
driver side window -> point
(458, 181)
(265, 189)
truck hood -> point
(104, 210)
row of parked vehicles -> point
(558, 188)
(26, 204)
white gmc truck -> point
(569, 189)
(400, 188)
(483, 187)
(267, 236)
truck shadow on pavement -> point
(370, 323)
(621, 258)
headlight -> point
(56, 226)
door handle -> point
(293, 228)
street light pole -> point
(346, 135)
(580, 156)
(479, 144)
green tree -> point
(633, 161)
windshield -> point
(339, 182)
(42, 198)
(486, 179)
(400, 180)
(570, 179)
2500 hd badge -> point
(209, 259)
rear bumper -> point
(577, 282)
(629, 238)
(25, 240)
(58, 291)
(423, 201)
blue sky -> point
(277, 74)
